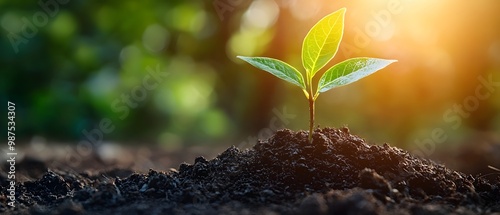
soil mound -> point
(337, 173)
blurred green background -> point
(165, 71)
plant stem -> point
(311, 99)
(311, 116)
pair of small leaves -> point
(343, 73)
(319, 47)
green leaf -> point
(350, 71)
(278, 68)
(322, 42)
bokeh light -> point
(67, 77)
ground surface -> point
(338, 174)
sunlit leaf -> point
(322, 42)
(278, 68)
(350, 71)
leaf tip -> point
(342, 11)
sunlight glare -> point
(261, 14)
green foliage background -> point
(66, 78)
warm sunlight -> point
(442, 48)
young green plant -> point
(319, 47)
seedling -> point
(319, 47)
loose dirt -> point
(339, 173)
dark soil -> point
(338, 173)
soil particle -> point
(338, 173)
